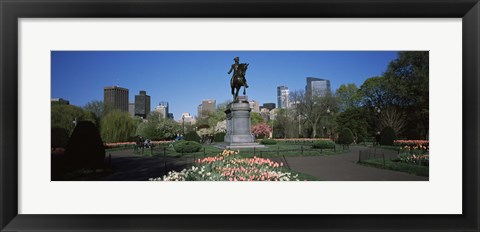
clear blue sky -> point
(184, 78)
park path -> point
(343, 167)
(131, 167)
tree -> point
(374, 92)
(117, 126)
(354, 119)
(158, 128)
(63, 116)
(96, 107)
(256, 118)
(391, 117)
(408, 77)
(348, 96)
(313, 108)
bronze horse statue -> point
(238, 80)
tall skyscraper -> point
(317, 87)
(162, 108)
(142, 104)
(115, 97)
(282, 97)
(207, 106)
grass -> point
(277, 150)
(398, 166)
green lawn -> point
(398, 166)
(277, 150)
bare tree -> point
(313, 108)
(391, 117)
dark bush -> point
(360, 139)
(85, 147)
(345, 137)
(59, 137)
(387, 136)
(268, 142)
(192, 136)
(219, 137)
(184, 146)
(323, 144)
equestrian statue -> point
(238, 78)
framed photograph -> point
(398, 80)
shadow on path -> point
(131, 167)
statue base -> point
(239, 125)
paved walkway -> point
(131, 167)
(343, 167)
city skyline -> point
(176, 76)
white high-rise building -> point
(162, 108)
(282, 97)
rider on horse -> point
(234, 68)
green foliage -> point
(219, 137)
(183, 146)
(192, 136)
(323, 144)
(314, 110)
(409, 84)
(96, 107)
(62, 116)
(375, 93)
(404, 86)
(117, 126)
(345, 137)
(387, 136)
(256, 118)
(158, 128)
(268, 142)
(355, 120)
(348, 96)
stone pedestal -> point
(239, 125)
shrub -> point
(183, 146)
(192, 136)
(387, 136)
(219, 137)
(261, 130)
(323, 144)
(268, 142)
(59, 137)
(345, 137)
(85, 147)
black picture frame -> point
(11, 11)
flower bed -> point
(414, 159)
(227, 166)
(413, 146)
(413, 151)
